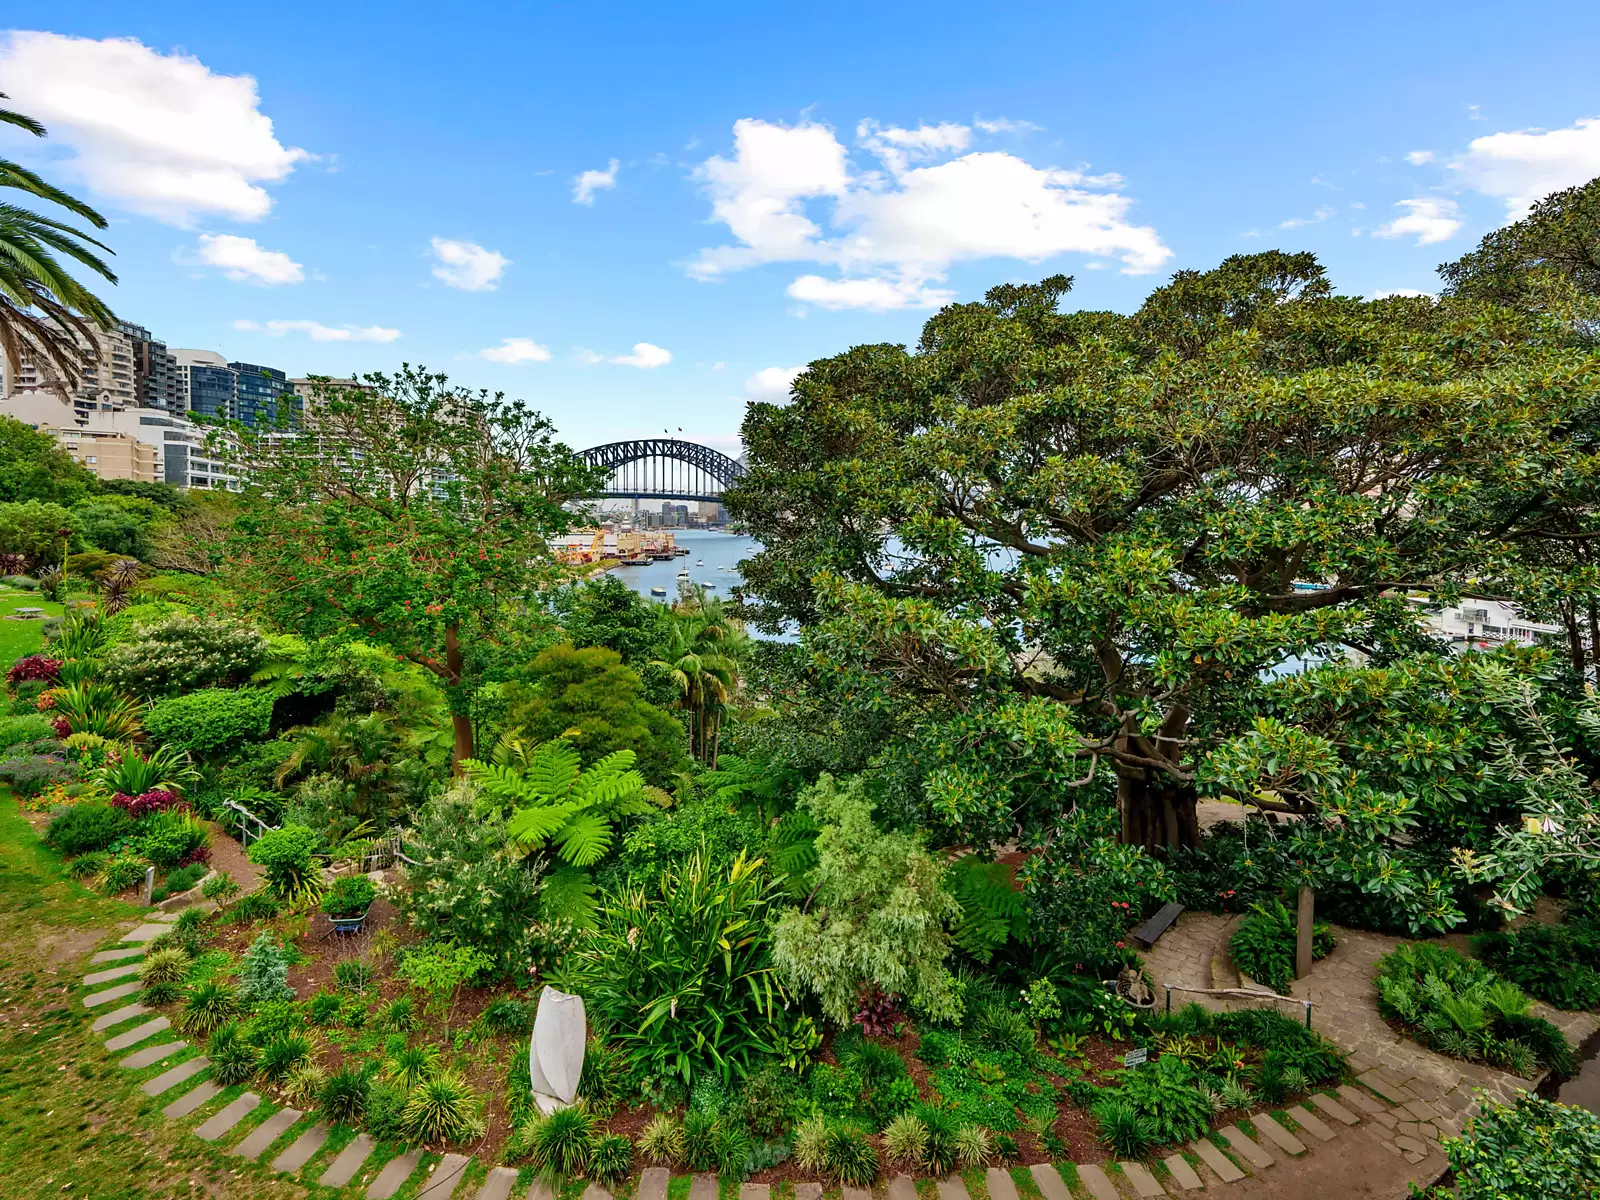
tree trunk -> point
(1156, 811)
(460, 722)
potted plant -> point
(347, 902)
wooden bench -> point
(1158, 924)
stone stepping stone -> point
(1285, 1140)
(1182, 1173)
(162, 916)
(1312, 1124)
(595, 1192)
(172, 1077)
(395, 1172)
(1000, 1184)
(344, 1167)
(901, 1188)
(1097, 1183)
(111, 973)
(653, 1183)
(117, 1016)
(703, 1187)
(1051, 1185)
(151, 1055)
(952, 1189)
(147, 933)
(854, 1193)
(264, 1134)
(1334, 1109)
(1253, 1153)
(228, 1117)
(1378, 1082)
(540, 1190)
(138, 1034)
(500, 1182)
(185, 1104)
(1226, 1169)
(300, 1151)
(118, 955)
(1356, 1098)
(1143, 1182)
(808, 1191)
(755, 1191)
(110, 994)
(446, 1176)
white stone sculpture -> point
(555, 1051)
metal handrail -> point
(1251, 993)
(244, 814)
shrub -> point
(221, 887)
(31, 774)
(25, 730)
(233, 1059)
(1264, 945)
(350, 896)
(155, 800)
(160, 992)
(810, 1144)
(303, 1084)
(386, 1107)
(286, 855)
(410, 1065)
(974, 1146)
(323, 1008)
(211, 721)
(120, 874)
(563, 1142)
(612, 1160)
(85, 827)
(264, 971)
(1534, 1149)
(662, 1140)
(660, 970)
(878, 915)
(1122, 1128)
(164, 966)
(905, 1140)
(443, 1109)
(181, 653)
(209, 1006)
(178, 880)
(87, 866)
(353, 974)
(941, 1152)
(400, 1014)
(1165, 1095)
(94, 708)
(33, 667)
(849, 1156)
(254, 906)
(282, 1055)
(343, 1099)
(1556, 963)
(508, 1016)
(167, 838)
(135, 772)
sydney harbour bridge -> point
(663, 469)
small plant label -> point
(1135, 1058)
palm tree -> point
(702, 658)
(43, 309)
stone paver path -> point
(111, 973)
(263, 1135)
(172, 1077)
(145, 933)
(343, 1168)
(151, 1055)
(395, 1172)
(1183, 1173)
(196, 1098)
(1000, 1184)
(1278, 1134)
(126, 952)
(1253, 1153)
(228, 1117)
(1097, 1182)
(498, 1185)
(138, 1034)
(1051, 1185)
(1143, 1182)
(653, 1184)
(755, 1191)
(1226, 1169)
(445, 1179)
(301, 1149)
(118, 1015)
(110, 994)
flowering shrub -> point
(146, 803)
(183, 653)
(30, 774)
(34, 666)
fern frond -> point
(607, 792)
(613, 766)
(568, 895)
(530, 828)
(585, 839)
(553, 768)
(500, 781)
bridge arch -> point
(663, 469)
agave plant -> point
(96, 708)
(134, 772)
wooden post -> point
(1302, 949)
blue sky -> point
(340, 187)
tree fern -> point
(584, 839)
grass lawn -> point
(74, 1124)
(18, 638)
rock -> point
(184, 899)
(555, 1052)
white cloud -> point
(896, 228)
(1316, 218)
(1417, 157)
(1524, 166)
(1005, 125)
(587, 184)
(319, 332)
(513, 350)
(587, 357)
(242, 259)
(467, 265)
(772, 383)
(644, 356)
(1431, 220)
(1408, 292)
(158, 133)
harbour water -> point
(719, 552)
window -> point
(91, 459)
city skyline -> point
(630, 245)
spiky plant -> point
(974, 1146)
(849, 1156)
(233, 1060)
(905, 1139)
(304, 1084)
(662, 1140)
(1212, 1098)
(941, 1153)
(442, 1109)
(702, 1148)
(400, 1015)
(343, 1099)
(1236, 1095)
(612, 1160)
(209, 1006)
(1295, 1081)
(410, 1066)
(323, 1008)
(169, 965)
(564, 1142)
(282, 1055)
(1122, 1128)
(811, 1144)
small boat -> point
(710, 585)
(658, 591)
(699, 562)
(683, 574)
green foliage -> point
(439, 968)
(588, 697)
(563, 1142)
(941, 1150)
(992, 912)
(260, 905)
(179, 880)
(121, 525)
(1264, 945)
(1165, 1095)
(1556, 963)
(264, 971)
(1534, 1149)
(399, 1015)
(97, 708)
(233, 1058)
(386, 1107)
(221, 887)
(135, 772)
(166, 838)
(410, 1065)
(286, 855)
(120, 874)
(1458, 1006)
(85, 827)
(350, 896)
(210, 721)
(678, 975)
(282, 1055)
(1122, 1128)
(343, 1100)
(878, 913)
(164, 966)
(974, 1146)
(905, 1140)
(463, 885)
(353, 974)
(442, 1109)
(701, 663)
(716, 829)
(662, 1140)
(506, 1015)
(34, 466)
(796, 1046)
(612, 1159)
(183, 654)
(38, 531)
(323, 1008)
(848, 1156)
